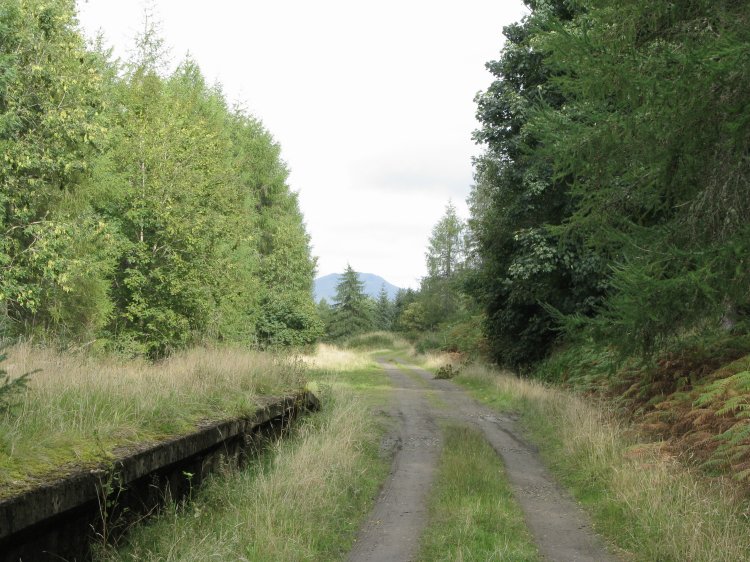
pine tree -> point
(383, 311)
(352, 311)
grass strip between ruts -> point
(473, 514)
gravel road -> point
(560, 528)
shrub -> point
(447, 372)
(429, 341)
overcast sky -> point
(372, 103)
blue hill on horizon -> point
(325, 287)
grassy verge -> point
(303, 502)
(304, 499)
(473, 514)
(639, 496)
(78, 410)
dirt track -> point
(392, 533)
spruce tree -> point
(383, 311)
(352, 311)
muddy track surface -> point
(392, 533)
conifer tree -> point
(352, 312)
(171, 161)
(383, 311)
(445, 260)
(669, 208)
(446, 250)
(136, 208)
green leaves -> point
(49, 125)
(528, 265)
(615, 174)
(135, 206)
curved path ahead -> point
(392, 533)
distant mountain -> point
(325, 287)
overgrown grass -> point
(355, 370)
(77, 410)
(305, 498)
(640, 497)
(333, 359)
(473, 514)
(431, 361)
(305, 501)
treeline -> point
(442, 314)
(613, 198)
(138, 210)
(439, 315)
(354, 312)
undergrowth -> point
(695, 396)
(374, 341)
(305, 498)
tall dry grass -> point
(304, 504)
(434, 360)
(647, 501)
(336, 359)
(77, 409)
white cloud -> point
(372, 103)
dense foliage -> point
(612, 197)
(137, 209)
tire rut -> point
(560, 528)
(393, 530)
